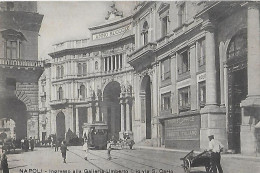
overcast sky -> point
(67, 20)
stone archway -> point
(111, 108)
(146, 108)
(15, 110)
(60, 126)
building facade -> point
(19, 68)
(88, 83)
(189, 70)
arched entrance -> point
(14, 115)
(111, 108)
(146, 108)
(60, 126)
(237, 86)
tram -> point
(97, 135)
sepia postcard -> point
(129, 86)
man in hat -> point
(215, 147)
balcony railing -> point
(70, 101)
(71, 44)
(20, 62)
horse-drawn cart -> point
(192, 160)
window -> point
(10, 6)
(11, 50)
(166, 69)
(184, 62)
(166, 101)
(96, 65)
(238, 46)
(60, 71)
(84, 68)
(60, 93)
(165, 26)
(202, 94)
(82, 92)
(201, 53)
(145, 33)
(184, 99)
(79, 69)
(182, 14)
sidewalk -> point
(224, 155)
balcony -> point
(70, 101)
(71, 44)
(142, 57)
(20, 63)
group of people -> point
(27, 144)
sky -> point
(67, 20)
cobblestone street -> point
(134, 161)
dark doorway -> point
(146, 106)
(237, 92)
(60, 126)
(111, 108)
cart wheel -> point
(187, 165)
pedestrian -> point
(85, 148)
(4, 163)
(215, 147)
(31, 143)
(64, 150)
(56, 145)
(26, 144)
(109, 150)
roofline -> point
(53, 54)
(110, 23)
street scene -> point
(136, 161)
(129, 86)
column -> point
(97, 112)
(18, 49)
(119, 61)
(250, 106)
(116, 56)
(211, 79)
(110, 61)
(127, 107)
(90, 116)
(77, 121)
(253, 51)
(105, 64)
(122, 116)
(213, 117)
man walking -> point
(215, 147)
(64, 150)
(85, 148)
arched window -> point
(96, 65)
(61, 71)
(82, 92)
(145, 32)
(60, 93)
(238, 46)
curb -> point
(224, 155)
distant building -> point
(189, 70)
(88, 82)
(19, 66)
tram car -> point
(97, 135)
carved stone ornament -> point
(113, 13)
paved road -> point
(45, 160)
